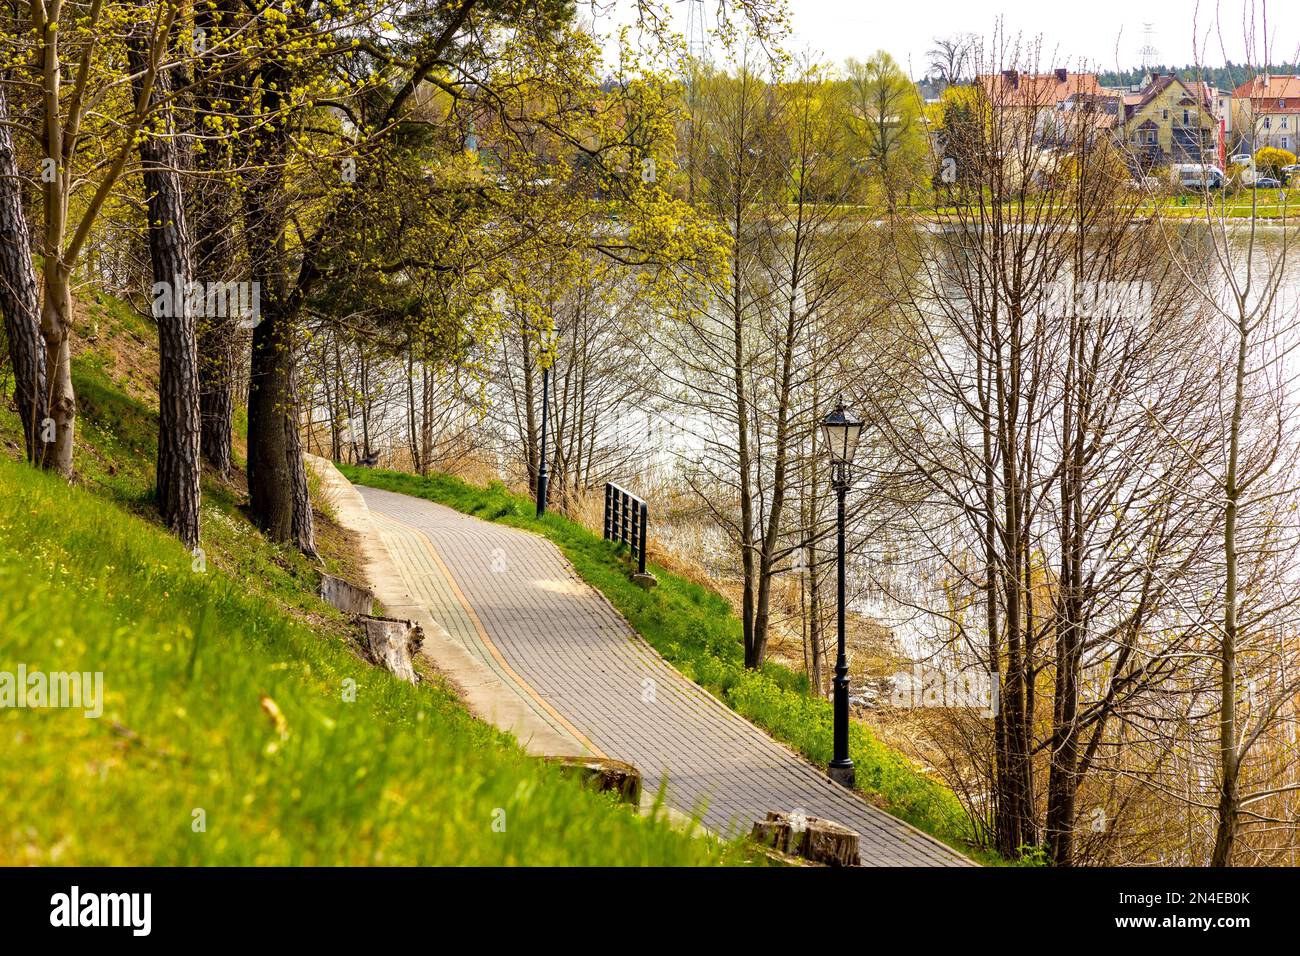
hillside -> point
(239, 723)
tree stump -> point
(605, 774)
(393, 643)
(812, 838)
(345, 596)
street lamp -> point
(543, 479)
(842, 429)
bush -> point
(1270, 161)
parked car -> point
(1242, 159)
(1288, 172)
(1265, 182)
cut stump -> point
(604, 773)
(812, 838)
(393, 643)
(345, 596)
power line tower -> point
(697, 29)
(697, 63)
(1149, 54)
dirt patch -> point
(339, 548)
(129, 357)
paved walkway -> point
(514, 602)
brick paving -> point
(577, 662)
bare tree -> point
(951, 58)
(1051, 528)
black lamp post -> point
(842, 429)
(542, 477)
(549, 340)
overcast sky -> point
(1096, 32)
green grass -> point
(1243, 204)
(191, 660)
(695, 629)
(401, 775)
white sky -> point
(1075, 32)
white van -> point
(1196, 176)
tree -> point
(211, 213)
(884, 125)
(179, 470)
(1247, 604)
(19, 297)
(1270, 161)
(67, 164)
(1049, 531)
(745, 347)
(950, 59)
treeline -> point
(1227, 77)
(383, 167)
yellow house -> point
(1170, 121)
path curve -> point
(514, 601)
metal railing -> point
(626, 517)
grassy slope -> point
(695, 629)
(403, 775)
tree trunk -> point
(1229, 766)
(56, 330)
(20, 298)
(426, 420)
(179, 469)
(753, 658)
(277, 478)
(532, 454)
(212, 213)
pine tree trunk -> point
(211, 217)
(277, 479)
(20, 298)
(179, 469)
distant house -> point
(1046, 97)
(1171, 121)
(1266, 112)
(1222, 100)
(1105, 111)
